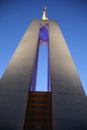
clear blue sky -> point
(71, 15)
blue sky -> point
(42, 75)
(71, 15)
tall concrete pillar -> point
(69, 102)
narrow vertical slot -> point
(41, 73)
(42, 70)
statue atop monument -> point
(44, 14)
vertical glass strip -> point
(34, 73)
(49, 80)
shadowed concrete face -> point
(69, 103)
(68, 97)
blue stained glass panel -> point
(44, 34)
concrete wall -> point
(69, 102)
(15, 83)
